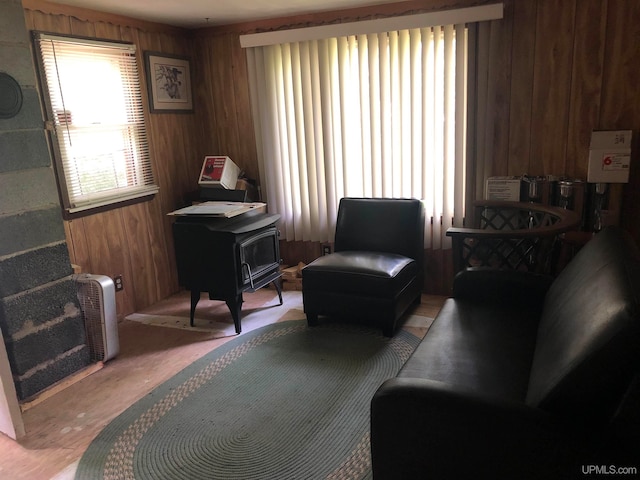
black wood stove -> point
(227, 257)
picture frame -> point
(168, 83)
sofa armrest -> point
(487, 285)
(427, 429)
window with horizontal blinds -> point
(96, 120)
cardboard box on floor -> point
(292, 277)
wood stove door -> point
(259, 259)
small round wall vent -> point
(10, 96)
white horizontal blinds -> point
(98, 119)
(380, 114)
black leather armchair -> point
(376, 270)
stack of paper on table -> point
(218, 209)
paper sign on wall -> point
(609, 157)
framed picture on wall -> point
(168, 83)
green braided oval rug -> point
(282, 402)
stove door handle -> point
(245, 264)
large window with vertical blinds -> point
(378, 112)
(95, 120)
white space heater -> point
(97, 297)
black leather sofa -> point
(522, 376)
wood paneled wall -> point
(135, 240)
(559, 69)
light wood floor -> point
(60, 426)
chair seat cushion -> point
(359, 272)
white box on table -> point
(219, 170)
(503, 188)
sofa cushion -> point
(588, 341)
(487, 350)
(358, 272)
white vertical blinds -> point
(97, 120)
(375, 115)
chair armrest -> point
(427, 429)
(513, 287)
(510, 235)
